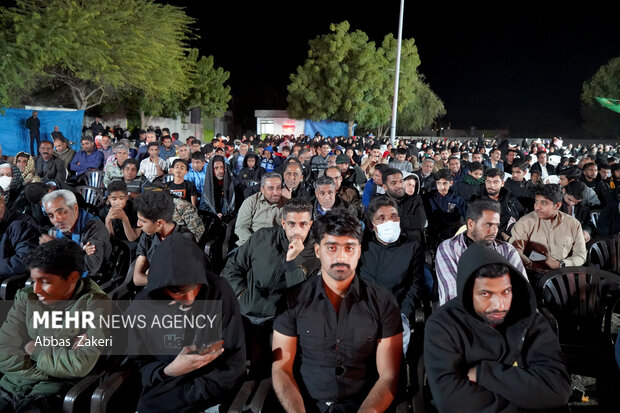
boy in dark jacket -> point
(488, 349)
(181, 371)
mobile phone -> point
(209, 347)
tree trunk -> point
(144, 120)
(350, 124)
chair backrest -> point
(168, 178)
(94, 179)
(604, 253)
(582, 300)
(92, 196)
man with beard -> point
(261, 210)
(511, 208)
(483, 218)
(337, 344)
(410, 207)
(327, 199)
(47, 166)
(489, 349)
(218, 195)
(261, 270)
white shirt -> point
(149, 169)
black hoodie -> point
(177, 262)
(518, 364)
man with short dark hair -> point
(572, 205)
(134, 181)
(88, 159)
(318, 163)
(482, 220)
(401, 163)
(393, 261)
(152, 166)
(261, 270)
(35, 375)
(154, 210)
(548, 238)
(374, 186)
(489, 349)
(343, 334)
(593, 180)
(47, 166)
(511, 208)
(33, 123)
(520, 187)
(261, 210)
(345, 193)
(542, 166)
(445, 210)
(495, 160)
(410, 207)
(454, 165)
(167, 149)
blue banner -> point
(327, 128)
(14, 137)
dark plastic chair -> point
(10, 285)
(79, 396)
(604, 253)
(92, 196)
(120, 259)
(579, 303)
(94, 179)
(167, 178)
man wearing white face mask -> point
(391, 260)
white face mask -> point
(388, 231)
(5, 182)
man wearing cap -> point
(352, 174)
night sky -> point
(517, 65)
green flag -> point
(612, 104)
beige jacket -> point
(562, 237)
(256, 213)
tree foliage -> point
(134, 51)
(347, 78)
(605, 83)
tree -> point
(337, 79)
(605, 83)
(346, 78)
(123, 50)
(418, 106)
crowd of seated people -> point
(325, 248)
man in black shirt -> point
(349, 332)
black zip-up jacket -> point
(518, 369)
(397, 267)
(510, 207)
(260, 275)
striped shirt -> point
(447, 258)
(149, 169)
